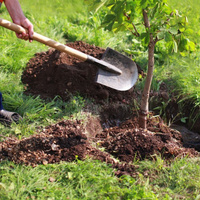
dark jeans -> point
(1, 99)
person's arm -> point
(17, 15)
(1, 1)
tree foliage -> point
(166, 24)
(150, 21)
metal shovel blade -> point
(123, 81)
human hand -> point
(25, 23)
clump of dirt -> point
(52, 73)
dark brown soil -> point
(53, 73)
(70, 140)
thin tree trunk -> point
(144, 107)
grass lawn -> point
(69, 21)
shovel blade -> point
(123, 81)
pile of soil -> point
(53, 73)
(70, 140)
(128, 142)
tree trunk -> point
(144, 106)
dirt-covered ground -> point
(52, 73)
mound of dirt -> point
(127, 142)
(52, 73)
(69, 140)
(64, 141)
(60, 142)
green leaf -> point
(166, 9)
(100, 5)
(96, 5)
(143, 35)
(143, 4)
(118, 7)
(110, 26)
(175, 46)
(181, 29)
(108, 19)
(135, 41)
(189, 31)
(118, 27)
(168, 37)
(170, 46)
(161, 35)
(192, 46)
(173, 30)
(2, 186)
(147, 39)
(184, 21)
(154, 10)
(111, 3)
(120, 18)
(183, 44)
(186, 44)
(183, 119)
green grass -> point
(178, 180)
(95, 180)
(69, 21)
(77, 180)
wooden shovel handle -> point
(45, 40)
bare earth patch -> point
(53, 73)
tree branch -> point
(157, 40)
(136, 32)
(146, 20)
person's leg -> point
(1, 99)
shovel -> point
(115, 70)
